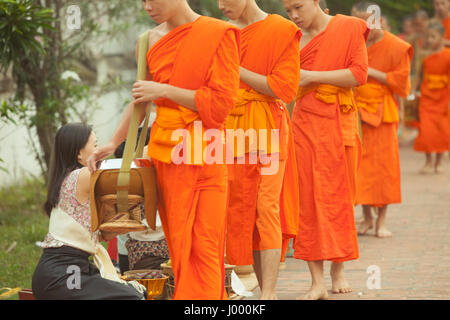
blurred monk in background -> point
(378, 182)
(442, 15)
(434, 131)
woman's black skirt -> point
(65, 273)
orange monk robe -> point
(268, 47)
(446, 23)
(327, 227)
(378, 181)
(202, 56)
(433, 106)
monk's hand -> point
(147, 91)
(98, 155)
(306, 77)
(107, 236)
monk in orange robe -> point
(378, 182)
(442, 15)
(263, 207)
(193, 65)
(434, 131)
(334, 59)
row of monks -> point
(338, 147)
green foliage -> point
(21, 30)
(22, 222)
(37, 47)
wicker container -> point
(154, 286)
(170, 284)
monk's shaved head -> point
(421, 14)
(439, 27)
(302, 12)
(362, 6)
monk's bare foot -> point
(383, 232)
(364, 226)
(317, 292)
(339, 283)
(439, 170)
(427, 169)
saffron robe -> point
(378, 181)
(327, 228)
(434, 125)
(204, 56)
(269, 47)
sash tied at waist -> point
(436, 81)
(253, 111)
(378, 100)
(331, 94)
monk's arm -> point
(282, 82)
(341, 78)
(183, 97)
(216, 99)
(117, 138)
(378, 75)
(257, 81)
(399, 79)
(356, 72)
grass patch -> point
(22, 221)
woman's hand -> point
(147, 91)
(100, 154)
(306, 77)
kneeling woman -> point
(64, 270)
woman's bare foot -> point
(339, 283)
(383, 232)
(317, 292)
(364, 226)
(269, 297)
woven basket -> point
(142, 190)
(170, 284)
(121, 223)
(154, 286)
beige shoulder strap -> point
(123, 180)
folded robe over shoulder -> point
(327, 228)
(378, 181)
(201, 56)
(269, 47)
(433, 106)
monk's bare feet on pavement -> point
(364, 226)
(380, 229)
(317, 292)
(383, 232)
(439, 170)
(339, 283)
(427, 169)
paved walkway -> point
(414, 263)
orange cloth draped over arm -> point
(434, 125)
(379, 180)
(269, 47)
(446, 24)
(326, 226)
(202, 56)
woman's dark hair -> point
(69, 141)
